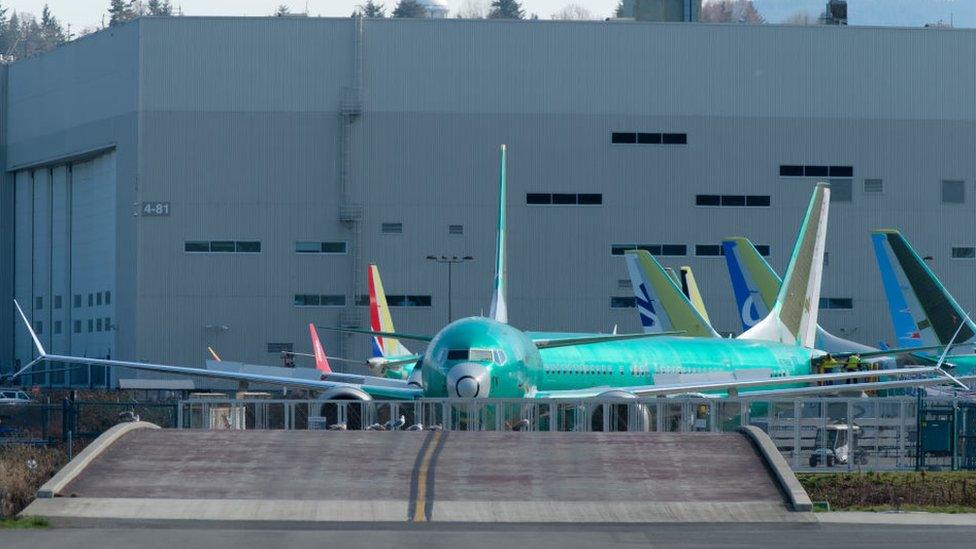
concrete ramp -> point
(422, 476)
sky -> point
(89, 13)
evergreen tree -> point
(52, 33)
(282, 11)
(409, 8)
(371, 9)
(120, 11)
(506, 9)
(160, 7)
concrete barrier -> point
(797, 496)
(68, 473)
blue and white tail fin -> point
(660, 302)
(793, 318)
(922, 310)
(754, 283)
(499, 306)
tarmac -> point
(416, 477)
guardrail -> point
(810, 433)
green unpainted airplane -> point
(479, 357)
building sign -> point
(155, 209)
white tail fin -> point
(499, 307)
(27, 324)
(793, 318)
(690, 288)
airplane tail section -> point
(754, 282)
(661, 305)
(380, 319)
(499, 306)
(922, 310)
(793, 318)
(690, 288)
(321, 361)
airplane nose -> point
(468, 381)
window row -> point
(731, 200)
(654, 249)
(223, 246)
(95, 299)
(963, 252)
(644, 138)
(793, 170)
(836, 303)
(303, 247)
(716, 250)
(339, 300)
(94, 325)
(564, 199)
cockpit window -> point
(457, 354)
(499, 356)
(480, 354)
(472, 354)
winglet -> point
(793, 319)
(37, 342)
(499, 307)
(321, 362)
(213, 353)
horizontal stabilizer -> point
(398, 335)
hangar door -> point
(64, 272)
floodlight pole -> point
(450, 261)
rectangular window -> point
(308, 247)
(306, 300)
(963, 252)
(619, 249)
(280, 348)
(108, 323)
(57, 302)
(873, 186)
(455, 229)
(674, 249)
(538, 198)
(618, 302)
(757, 200)
(816, 171)
(196, 246)
(408, 300)
(77, 325)
(836, 303)
(791, 171)
(563, 198)
(57, 326)
(39, 302)
(313, 300)
(763, 249)
(394, 228)
(674, 138)
(108, 297)
(589, 199)
(98, 299)
(248, 247)
(841, 171)
(708, 250)
(38, 327)
(623, 137)
(733, 200)
(953, 192)
(826, 259)
(649, 138)
(624, 283)
(223, 246)
(841, 190)
(333, 247)
(91, 325)
(708, 200)
(333, 301)
(91, 300)
(77, 301)
(98, 325)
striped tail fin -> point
(922, 310)
(661, 305)
(380, 319)
(754, 283)
(499, 306)
(793, 318)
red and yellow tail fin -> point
(321, 361)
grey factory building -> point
(177, 183)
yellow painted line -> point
(420, 509)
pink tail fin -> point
(321, 362)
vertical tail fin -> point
(321, 362)
(922, 310)
(754, 283)
(793, 318)
(499, 307)
(689, 286)
(379, 317)
(660, 303)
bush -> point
(23, 469)
(896, 490)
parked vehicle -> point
(13, 396)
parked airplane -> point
(479, 357)
(923, 312)
(756, 285)
(660, 303)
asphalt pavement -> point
(190, 535)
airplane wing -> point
(890, 352)
(374, 386)
(551, 343)
(734, 385)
